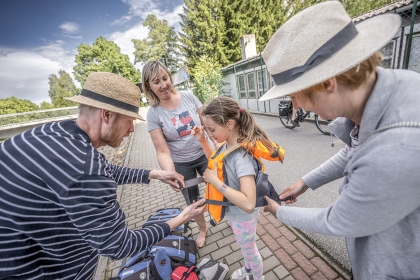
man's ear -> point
(106, 116)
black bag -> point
(284, 109)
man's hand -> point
(190, 212)
(294, 191)
(169, 177)
(272, 206)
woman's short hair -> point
(352, 78)
(150, 71)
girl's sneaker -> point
(241, 274)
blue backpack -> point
(157, 262)
(163, 215)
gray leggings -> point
(189, 170)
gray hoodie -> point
(378, 208)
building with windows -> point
(248, 79)
(403, 51)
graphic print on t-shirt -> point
(183, 123)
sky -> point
(40, 37)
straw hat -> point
(110, 92)
(322, 42)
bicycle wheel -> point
(287, 120)
(322, 125)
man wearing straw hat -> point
(329, 66)
(58, 201)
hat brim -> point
(373, 35)
(94, 103)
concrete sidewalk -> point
(287, 254)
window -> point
(272, 83)
(241, 86)
(262, 84)
(251, 84)
(388, 54)
(414, 61)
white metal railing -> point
(26, 117)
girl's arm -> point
(199, 134)
(244, 199)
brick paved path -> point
(286, 253)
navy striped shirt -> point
(59, 208)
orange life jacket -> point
(216, 200)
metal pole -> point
(410, 36)
(401, 46)
(236, 83)
(263, 82)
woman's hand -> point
(210, 175)
(172, 178)
(271, 206)
(294, 191)
(198, 133)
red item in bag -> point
(184, 273)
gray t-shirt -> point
(237, 166)
(177, 125)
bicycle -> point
(286, 117)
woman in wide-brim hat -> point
(329, 66)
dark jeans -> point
(189, 170)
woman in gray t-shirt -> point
(170, 120)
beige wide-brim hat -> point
(111, 92)
(322, 42)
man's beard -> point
(114, 138)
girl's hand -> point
(210, 176)
(198, 133)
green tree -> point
(103, 56)
(214, 27)
(14, 105)
(46, 105)
(162, 43)
(207, 78)
(236, 24)
(60, 88)
(203, 31)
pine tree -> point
(203, 31)
(162, 43)
(236, 24)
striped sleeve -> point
(93, 207)
(120, 174)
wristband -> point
(223, 188)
